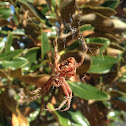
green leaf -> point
(31, 1)
(11, 54)
(5, 13)
(71, 47)
(18, 32)
(78, 44)
(64, 121)
(45, 47)
(78, 119)
(38, 14)
(4, 3)
(102, 64)
(2, 44)
(111, 3)
(31, 56)
(70, 118)
(87, 91)
(85, 27)
(52, 32)
(98, 40)
(32, 9)
(9, 42)
(123, 78)
(115, 115)
(16, 63)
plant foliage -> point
(27, 32)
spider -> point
(67, 68)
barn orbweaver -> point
(67, 68)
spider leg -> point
(69, 74)
(35, 91)
(56, 82)
(67, 92)
(69, 96)
(64, 101)
(42, 90)
(78, 64)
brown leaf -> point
(3, 74)
(102, 10)
(114, 52)
(90, 2)
(67, 8)
(14, 120)
(15, 73)
(19, 120)
(119, 104)
(100, 22)
(37, 80)
(121, 85)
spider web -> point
(73, 30)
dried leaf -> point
(35, 80)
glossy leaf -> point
(64, 121)
(45, 47)
(78, 44)
(73, 46)
(18, 32)
(74, 118)
(102, 64)
(38, 14)
(15, 63)
(111, 3)
(11, 54)
(32, 9)
(87, 91)
(51, 32)
(98, 40)
(31, 56)
(9, 42)
(85, 27)
(2, 44)
(114, 115)
(79, 119)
